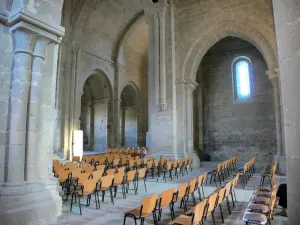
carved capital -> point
(274, 73)
(190, 86)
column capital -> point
(273, 73)
(157, 9)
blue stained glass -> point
(242, 80)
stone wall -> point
(247, 129)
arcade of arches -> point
(207, 79)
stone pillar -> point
(287, 25)
(27, 172)
(199, 101)
(123, 125)
(162, 117)
(274, 78)
(189, 121)
(92, 126)
(20, 86)
(36, 157)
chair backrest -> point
(100, 167)
(272, 205)
(139, 162)
(82, 177)
(121, 169)
(200, 180)
(175, 164)
(118, 178)
(131, 175)
(212, 202)
(97, 174)
(182, 190)
(219, 167)
(228, 188)
(89, 186)
(167, 197)
(131, 163)
(76, 158)
(116, 161)
(149, 204)
(142, 173)
(76, 172)
(106, 181)
(192, 185)
(169, 165)
(204, 177)
(221, 195)
(145, 160)
(110, 171)
(63, 175)
(89, 169)
(149, 164)
(199, 211)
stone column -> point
(287, 25)
(92, 126)
(20, 86)
(35, 156)
(27, 172)
(162, 135)
(199, 102)
(189, 121)
(274, 78)
(123, 125)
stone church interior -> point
(149, 112)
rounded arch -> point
(133, 87)
(101, 76)
(225, 29)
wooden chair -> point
(121, 169)
(118, 180)
(199, 184)
(181, 194)
(110, 171)
(167, 169)
(228, 188)
(97, 174)
(76, 159)
(191, 191)
(89, 170)
(212, 204)
(221, 196)
(141, 175)
(104, 185)
(196, 217)
(166, 199)
(147, 207)
(131, 175)
(216, 174)
(88, 188)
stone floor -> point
(110, 214)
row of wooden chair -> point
(261, 206)
(87, 184)
(128, 151)
(156, 203)
(247, 171)
(268, 172)
(224, 170)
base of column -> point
(30, 203)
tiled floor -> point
(113, 214)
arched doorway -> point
(233, 104)
(129, 117)
(96, 110)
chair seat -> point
(258, 207)
(255, 218)
(263, 194)
(184, 220)
(264, 189)
(263, 200)
(136, 213)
